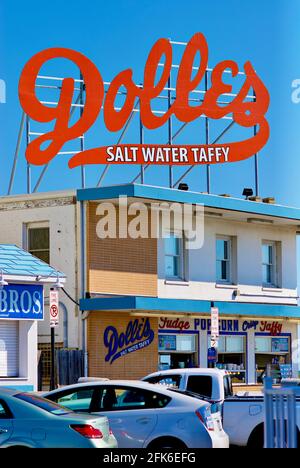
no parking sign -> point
(54, 308)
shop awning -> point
(187, 306)
(18, 265)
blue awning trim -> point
(137, 303)
(180, 196)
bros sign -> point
(244, 112)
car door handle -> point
(3, 431)
(143, 420)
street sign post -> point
(214, 338)
(54, 308)
(54, 321)
(214, 313)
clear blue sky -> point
(119, 34)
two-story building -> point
(46, 225)
(146, 300)
(146, 296)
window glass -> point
(39, 243)
(262, 344)
(77, 401)
(171, 266)
(118, 398)
(201, 384)
(171, 245)
(43, 404)
(235, 344)
(223, 259)
(228, 387)
(221, 344)
(267, 274)
(268, 263)
(4, 411)
(186, 343)
(267, 251)
(173, 255)
(168, 380)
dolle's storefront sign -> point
(22, 302)
(138, 335)
(245, 113)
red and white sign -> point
(54, 308)
(214, 312)
(244, 113)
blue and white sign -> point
(20, 301)
(138, 335)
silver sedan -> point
(30, 421)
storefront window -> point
(177, 351)
(272, 352)
(232, 356)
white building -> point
(22, 281)
(46, 226)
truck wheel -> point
(256, 439)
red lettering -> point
(262, 327)
(185, 84)
(275, 328)
(114, 119)
(245, 113)
(173, 324)
(152, 90)
(60, 114)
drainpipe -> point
(83, 280)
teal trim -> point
(21, 388)
(189, 306)
(180, 196)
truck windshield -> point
(228, 392)
(171, 380)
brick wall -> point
(132, 366)
(120, 266)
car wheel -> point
(18, 447)
(167, 443)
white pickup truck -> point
(243, 413)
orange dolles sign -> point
(245, 113)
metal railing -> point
(281, 430)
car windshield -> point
(43, 404)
